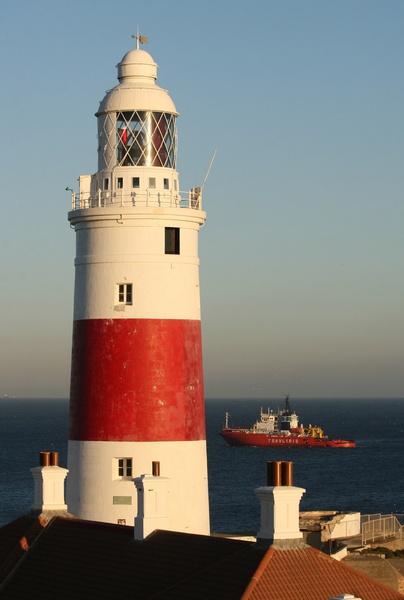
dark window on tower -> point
(135, 182)
(124, 293)
(125, 467)
(172, 241)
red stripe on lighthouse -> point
(137, 380)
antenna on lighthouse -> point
(196, 192)
(209, 168)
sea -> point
(368, 478)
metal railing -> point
(380, 527)
(104, 198)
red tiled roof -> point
(310, 574)
(87, 560)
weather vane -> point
(139, 38)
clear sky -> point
(302, 266)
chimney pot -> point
(54, 459)
(44, 459)
(287, 473)
(274, 473)
(279, 473)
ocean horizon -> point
(368, 478)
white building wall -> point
(93, 497)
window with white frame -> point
(124, 468)
(124, 293)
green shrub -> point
(386, 551)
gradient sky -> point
(302, 253)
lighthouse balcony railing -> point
(104, 198)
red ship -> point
(280, 428)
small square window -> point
(119, 183)
(166, 187)
(124, 293)
(125, 468)
(172, 240)
(135, 182)
(152, 183)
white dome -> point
(137, 90)
(137, 63)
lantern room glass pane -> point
(146, 139)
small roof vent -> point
(345, 597)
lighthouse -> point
(137, 396)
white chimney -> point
(49, 483)
(152, 500)
(280, 502)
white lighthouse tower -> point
(137, 393)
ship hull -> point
(248, 437)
